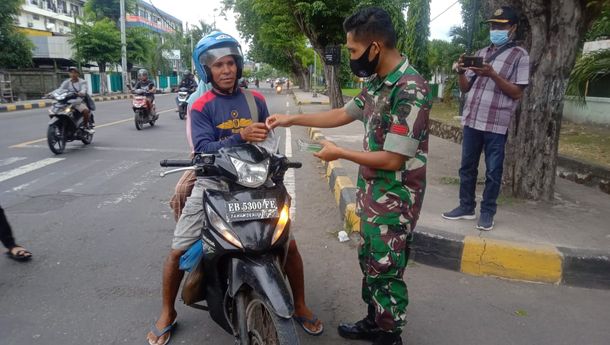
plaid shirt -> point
(487, 108)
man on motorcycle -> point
(79, 86)
(219, 118)
(147, 84)
(188, 81)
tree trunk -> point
(552, 32)
(300, 73)
(333, 85)
(103, 79)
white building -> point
(49, 17)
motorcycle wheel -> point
(152, 123)
(181, 114)
(56, 139)
(264, 327)
(136, 118)
(87, 139)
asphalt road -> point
(98, 223)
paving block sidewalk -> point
(307, 98)
(566, 242)
(43, 103)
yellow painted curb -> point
(511, 260)
(352, 221)
(27, 106)
(11, 107)
(329, 168)
(42, 104)
(340, 183)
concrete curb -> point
(483, 256)
(299, 102)
(47, 103)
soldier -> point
(394, 106)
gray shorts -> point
(188, 228)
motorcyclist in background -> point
(188, 81)
(147, 84)
(79, 86)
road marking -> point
(23, 186)
(24, 144)
(9, 161)
(108, 148)
(28, 168)
(289, 180)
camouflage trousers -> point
(383, 255)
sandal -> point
(21, 255)
(301, 320)
(159, 333)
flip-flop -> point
(301, 321)
(159, 333)
(21, 254)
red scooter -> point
(143, 108)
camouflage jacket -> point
(395, 113)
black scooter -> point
(245, 235)
(183, 95)
(66, 123)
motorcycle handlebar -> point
(176, 163)
(294, 165)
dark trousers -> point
(475, 142)
(6, 234)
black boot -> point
(365, 329)
(387, 338)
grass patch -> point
(450, 180)
(350, 92)
(445, 112)
(585, 142)
(507, 200)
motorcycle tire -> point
(87, 139)
(136, 118)
(56, 139)
(264, 326)
(152, 123)
(182, 115)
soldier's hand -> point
(278, 120)
(256, 132)
(330, 151)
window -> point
(35, 17)
(74, 10)
(51, 20)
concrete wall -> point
(596, 111)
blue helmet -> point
(212, 47)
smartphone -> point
(473, 61)
(309, 146)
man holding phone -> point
(493, 93)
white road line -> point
(9, 161)
(289, 180)
(28, 168)
(22, 187)
(107, 148)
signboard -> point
(332, 55)
(171, 54)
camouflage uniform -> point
(395, 115)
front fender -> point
(263, 275)
(57, 118)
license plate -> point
(252, 210)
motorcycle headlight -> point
(222, 227)
(68, 109)
(281, 224)
(60, 97)
(251, 175)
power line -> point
(447, 9)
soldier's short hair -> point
(370, 24)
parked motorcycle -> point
(183, 95)
(245, 237)
(66, 123)
(143, 108)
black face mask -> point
(361, 66)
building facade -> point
(150, 17)
(49, 17)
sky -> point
(192, 11)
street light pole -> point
(123, 48)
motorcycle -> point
(183, 95)
(66, 123)
(245, 237)
(143, 109)
(278, 89)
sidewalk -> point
(567, 242)
(306, 98)
(43, 103)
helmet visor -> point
(210, 56)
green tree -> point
(15, 47)
(100, 9)
(99, 42)
(418, 30)
(139, 46)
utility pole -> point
(123, 48)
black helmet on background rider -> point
(142, 72)
(212, 47)
(188, 75)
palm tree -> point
(589, 67)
